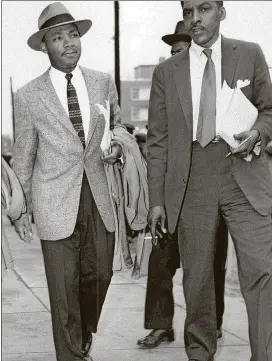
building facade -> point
(135, 96)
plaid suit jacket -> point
(49, 158)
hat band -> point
(58, 19)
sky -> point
(142, 24)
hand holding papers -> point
(236, 114)
(107, 136)
(111, 152)
(242, 143)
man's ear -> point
(44, 48)
(223, 13)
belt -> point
(217, 139)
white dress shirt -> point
(60, 85)
(198, 62)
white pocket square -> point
(242, 83)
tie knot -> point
(208, 53)
(69, 76)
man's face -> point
(178, 47)
(202, 21)
(63, 46)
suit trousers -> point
(78, 270)
(213, 191)
(164, 260)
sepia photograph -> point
(136, 206)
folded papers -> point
(235, 113)
(107, 136)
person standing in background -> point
(13, 206)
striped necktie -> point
(74, 109)
(206, 128)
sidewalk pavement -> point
(26, 322)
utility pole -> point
(117, 48)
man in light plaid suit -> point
(59, 163)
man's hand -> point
(245, 149)
(23, 228)
(112, 157)
(157, 217)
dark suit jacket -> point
(171, 123)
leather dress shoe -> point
(87, 345)
(156, 337)
(88, 358)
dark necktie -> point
(206, 128)
(74, 109)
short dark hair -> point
(219, 3)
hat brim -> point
(35, 40)
(170, 39)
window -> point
(143, 114)
(134, 114)
(135, 93)
(140, 93)
(144, 93)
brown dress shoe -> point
(156, 337)
(86, 346)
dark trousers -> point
(212, 190)
(78, 271)
(163, 263)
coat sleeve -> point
(25, 147)
(157, 141)
(262, 97)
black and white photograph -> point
(136, 200)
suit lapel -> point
(51, 100)
(183, 83)
(229, 60)
(94, 97)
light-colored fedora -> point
(180, 34)
(52, 16)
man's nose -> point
(66, 40)
(196, 17)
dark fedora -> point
(180, 34)
(52, 16)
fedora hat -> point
(180, 34)
(52, 16)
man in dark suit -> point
(164, 258)
(192, 182)
(59, 162)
